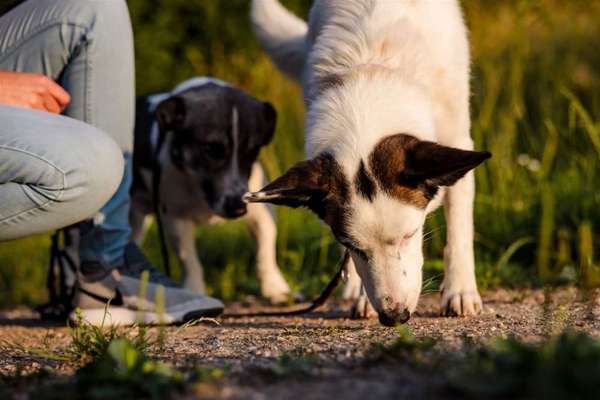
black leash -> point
(156, 175)
(316, 303)
(61, 295)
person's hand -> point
(34, 91)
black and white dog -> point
(213, 134)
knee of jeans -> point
(110, 11)
(102, 171)
(106, 16)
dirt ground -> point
(338, 347)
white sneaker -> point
(116, 297)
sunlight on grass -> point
(535, 106)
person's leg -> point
(86, 46)
(42, 186)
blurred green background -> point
(535, 106)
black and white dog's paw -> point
(275, 289)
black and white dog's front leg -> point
(262, 226)
(180, 232)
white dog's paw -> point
(460, 301)
(362, 308)
(275, 289)
(353, 284)
(352, 288)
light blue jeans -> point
(56, 170)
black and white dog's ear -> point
(303, 185)
(439, 165)
(171, 113)
(270, 121)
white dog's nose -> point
(392, 317)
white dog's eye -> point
(352, 247)
(409, 235)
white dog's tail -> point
(282, 35)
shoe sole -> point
(125, 317)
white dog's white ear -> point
(439, 165)
(302, 185)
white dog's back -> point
(422, 42)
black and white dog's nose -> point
(234, 206)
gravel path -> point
(327, 353)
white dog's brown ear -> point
(306, 184)
(298, 187)
(439, 165)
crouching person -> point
(75, 58)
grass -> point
(406, 348)
(535, 106)
(112, 362)
(89, 342)
(121, 362)
(122, 370)
(566, 366)
(293, 364)
(560, 366)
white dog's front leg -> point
(459, 289)
(261, 223)
(181, 234)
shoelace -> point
(136, 263)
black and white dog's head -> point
(216, 134)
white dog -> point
(386, 85)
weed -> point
(89, 342)
(563, 367)
(406, 347)
(116, 365)
(123, 372)
(294, 364)
(431, 284)
(204, 373)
